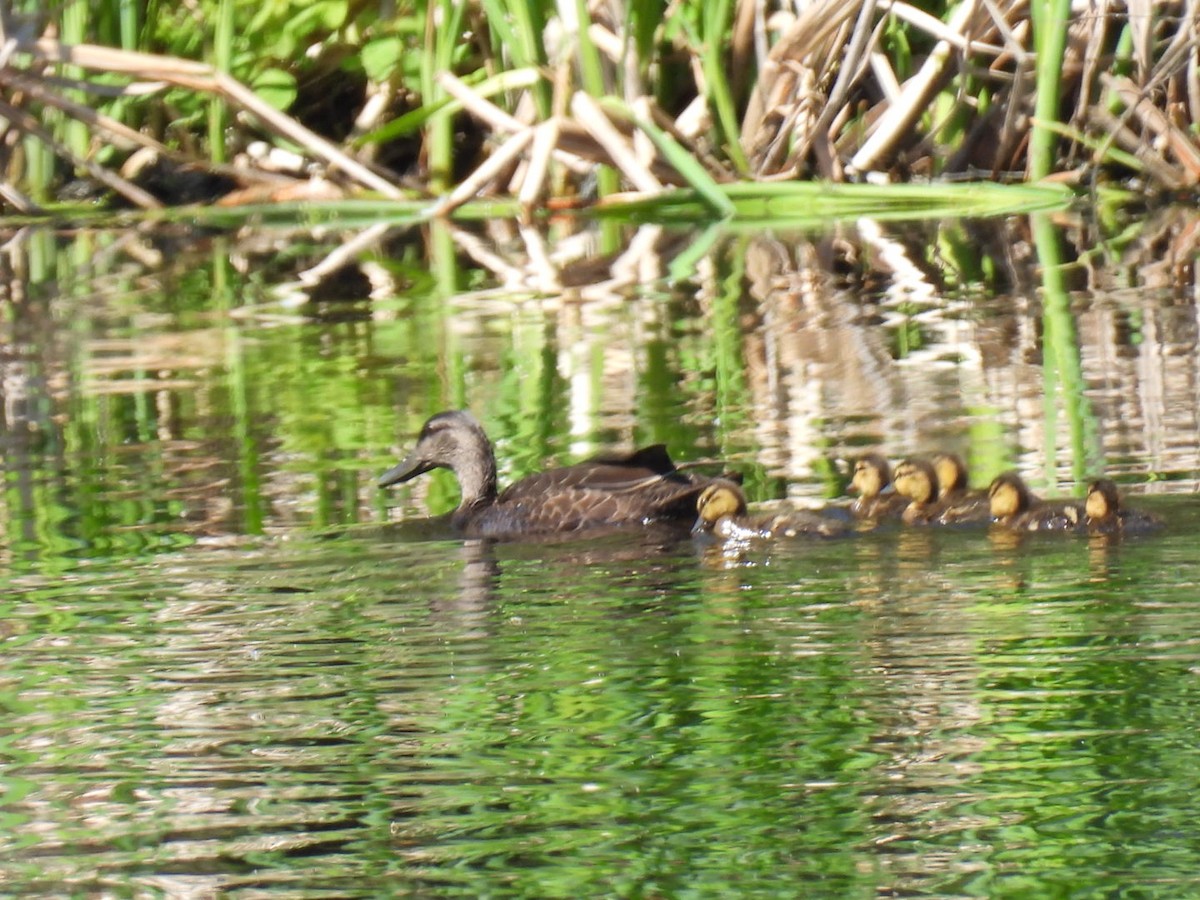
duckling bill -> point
(634, 488)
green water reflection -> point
(233, 664)
(364, 713)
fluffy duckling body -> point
(617, 490)
(917, 481)
(721, 511)
(1014, 506)
(872, 475)
(951, 473)
(957, 504)
(1104, 513)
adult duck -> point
(633, 488)
(1105, 514)
(721, 511)
(1014, 506)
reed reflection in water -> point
(198, 402)
(203, 695)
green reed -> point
(1051, 19)
(1062, 368)
(552, 49)
(222, 60)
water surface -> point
(232, 665)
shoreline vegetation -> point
(689, 108)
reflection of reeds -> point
(827, 375)
(784, 355)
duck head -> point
(951, 472)
(916, 480)
(1008, 496)
(871, 475)
(451, 440)
(1102, 500)
(719, 499)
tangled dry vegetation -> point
(750, 92)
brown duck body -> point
(872, 476)
(1015, 507)
(1104, 513)
(613, 490)
(939, 493)
(721, 511)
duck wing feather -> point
(608, 490)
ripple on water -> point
(932, 712)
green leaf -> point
(678, 156)
(276, 87)
(380, 57)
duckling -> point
(951, 473)
(1105, 514)
(629, 489)
(872, 475)
(957, 504)
(1014, 506)
(917, 481)
(721, 511)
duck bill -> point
(410, 467)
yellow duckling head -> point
(1008, 496)
(1102, 500)
(951, 472)
(916, 480)
(719, 499)
(871, 475)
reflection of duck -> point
(611, 490)
(1105, 515)
(721, 511)
(872, 475)
(1014, 506)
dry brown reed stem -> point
(498, 120)
(1181, 145)
(491, 168)
(808, 52)
(898, 119)
(122, 134)
(29, 124)
(598, 125)
(344, 254)
(17, 200)
(939, 30)
(534, 181)
(201, 77)
(1119, 133)
(854, 63)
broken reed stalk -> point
(28, 123)
(202, 77)
(824, 96)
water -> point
(231, 665)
